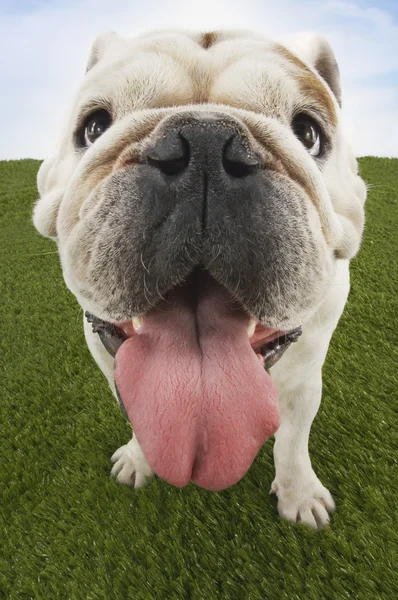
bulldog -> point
(206, 204)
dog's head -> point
(203, 187)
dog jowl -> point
(205, 205)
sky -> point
(44, 45)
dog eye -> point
(309, 134)
(95, 125)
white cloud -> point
(44, 53)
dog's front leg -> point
(130, 466)
(301, 496)
(298, 377)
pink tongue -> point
(199, 400)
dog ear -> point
(316, 51)
(52, 178)
(100, 46)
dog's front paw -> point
(304, 501)
(130, 466)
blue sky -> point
(44, 45)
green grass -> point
(68, 531)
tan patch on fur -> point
(275, 159)
(272, 162)
(208, 39)
(293, 171)
(310, 85)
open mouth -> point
(192, 376)
(269, 345)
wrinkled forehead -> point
(173, 69)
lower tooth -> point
(251, 328)
(137, 323)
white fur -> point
(130, 466)
(162, 73)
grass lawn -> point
(68, 531)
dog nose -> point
(215, 147)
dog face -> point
(267, 217)
(218, 153)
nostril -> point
(170, 156)
(169, 167)
(236, 160)
(237, 169)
